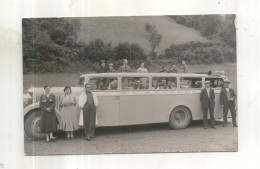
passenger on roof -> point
(184, 67)
(173, 69)
(124, 67)
(142, 69)
(103, 67)
(111, 68)
(163, 70)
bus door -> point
(106, 89)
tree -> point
(49, 44)
(154, 37)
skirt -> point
(69, 118)
(48, 121)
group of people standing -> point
(69, 121)
(126, 68)
(227, 102)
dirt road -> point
(141, 139)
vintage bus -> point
(136, 98)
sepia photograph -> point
(130, 85)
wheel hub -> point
(179, 116)
(36, 125)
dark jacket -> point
(223, 96)
(205, 100)
(124, 68)
(102, 69)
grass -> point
(61, 80)
(132, 30)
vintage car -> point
(134, 98)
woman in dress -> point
(69, 116)
(48, 122)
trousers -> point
(205, 116)
(89, 119)
(230, 106)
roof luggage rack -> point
(208, 73)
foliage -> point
(154, 37)
(215, 27)
(200, 52)
(134, 53)
(49, 44)
(52, 45)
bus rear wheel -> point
(180, 117)
(32, 125)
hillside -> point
(132, 30)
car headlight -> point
(27, 100)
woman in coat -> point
(48, 122)
(69, 116)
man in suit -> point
(88, 102)
(227, 102)
(207, 99)
(103, 68)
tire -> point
(180, 117)
(32, 125)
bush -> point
(134, 53)
(200, 52)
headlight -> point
(27, 100)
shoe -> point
(235, 125)
(213, 127)
(88, 138)
(53, 138)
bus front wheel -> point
(180, 117)
(32, 125)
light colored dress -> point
(69, 116)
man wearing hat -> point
(124, 67)
(207, 99)
(103, 67)
(111, 68)
(227, 102)
(88, 102)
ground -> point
(152, 138)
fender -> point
(176, 105)
(37, 106)
(30, 107)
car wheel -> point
(32, 125)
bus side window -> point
(100, 83)
(164, 83)
(135, 83)
(190, 82)
(215, 82)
